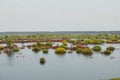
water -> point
(25, 65)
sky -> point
(59, 15)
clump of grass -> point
(45, 50)
(0, 52)
(60, 50)
(79, 50)
(42, 60)
(107, 52)
(36, 49)
(1, 47)
(111, 48)
(87, 51)
(115, 79)
(15, 49)
(97, 48)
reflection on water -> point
(10, 57)
(42, 63)
(59, 67)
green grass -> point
(115, 79)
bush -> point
(0, 52)
(49, 44)
(107, 52)
(109, 41)
(40, 44)
(1, 47)
(42, 60)
(71, 41)
(15, 49)
(45, 50)
(36, 49)
(64, 42)
(34, 45)
(96, 48)
(98, 41)
(110, 48)
(87, 51)
(60, 50)
(95, 41)
(63, 46)
(79, 50)
(83, 43)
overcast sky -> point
(59, 15)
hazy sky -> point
(59, 15)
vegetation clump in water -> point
(79, 50)
(87, 51)
(107, 52)
(45, 50)
(1, 47)
(60, 50)
(36, 49)
(49, 44)
(16, 49)
(42, 60)
(111, 48)
(96, 48)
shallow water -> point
(25, 65)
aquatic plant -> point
(71, 41)
(107, 52)
(111, 48)
(15, 49)
(34, 45)
(87, 51)
(0, 52)
(42, 60)
(60, 50)
(83, 43)
(1, 47)
(96, 48)
(64, 42)
(108, 41)
(94, 41)
(63, 46)
(10, 42)
(45, 50)
(49, 44)
(79, 50)
(36, 49)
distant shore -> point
(58, 32)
